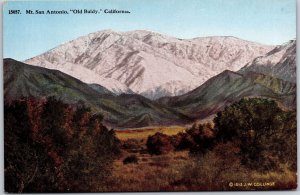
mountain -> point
(101, 90)
(279, 62)
(229, 87)
(85, 75)
(125, 110)
(133, 110)
(148, 63)
(22, 80)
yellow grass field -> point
(152, 173)
(143, 133)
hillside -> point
(229, 87)
(279, 62)
(125, 110)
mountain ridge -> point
(134, 110)
(229, 87)
(23, 80)
(279, 62)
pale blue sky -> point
(265, 21)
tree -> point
(56, 147)
(28, 168)
(260, 128)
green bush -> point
(264, 132)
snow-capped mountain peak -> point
(279, 62)
(148, 63)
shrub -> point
(54, 147)
(176, 140)
(263, 131)
(198, 139)
(210, 170)
(25, 160)
(159, 144)
(132, 145)
(130, 159)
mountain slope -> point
(125, 110)
(279, 62)
(229, 87)
(25, 80)
(147, 62)
(101, 90)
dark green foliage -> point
(287, 140)
(131, 159)
(54, 147)
(265, 133)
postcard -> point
(149, 96)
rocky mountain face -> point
(148, 63)
(279, 62)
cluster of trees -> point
(262, 134)
(51, 146)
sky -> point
(269, 22)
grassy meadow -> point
(179, 171)
(143, 133)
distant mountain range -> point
(142, 78)
(149, 63)
(134, 110)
